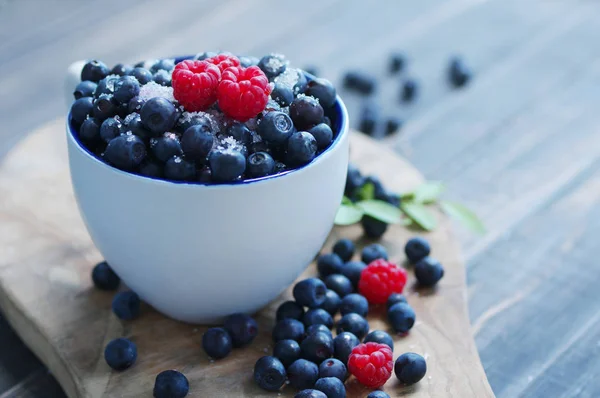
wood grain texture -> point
(46, 294)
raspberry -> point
(371, 364)
(380, 279)
(224, 61)
(195, 84)
(243, 93)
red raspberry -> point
(380, 279)
(371, 364)
(243, 92)
(224, 61)
(195, 84)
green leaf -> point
(381, 210)
(429, 192)
(367, 191)
(406, 221)
(463, 215)
(346, 200)
(348, 215)
(420, 215)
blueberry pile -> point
(128, 117)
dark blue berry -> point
(329, 264)
(410, 368)
(205, 55)
(247, 61)
(354, 180)
(110, 129)
(354, 303)
(197, 142)
(179, 169)
(123, 110)
(352, 271)
(226, 165)
(151, 168)
(310, 393)
(323, 90)
(120, 354)
(417, 249)
(279, 168)
(125, 152)
(428, 271)
(126, 88)
(381, 337)
(167, 64)
(135, 105)
(287, 351)
(163, 78)
(104, 277)
(216, 342)
(317, 316)
(373, 252)
(359, 82)
(142, 75)
(301, 82)
(204, 175)
(392, 124)
(378, 394)
(353, 323)
(106, 86)
(310, 292)
(89, 131)
(276, 127)
(379, 191)
(242, 328)
(393, 199)
(126, 305)
(282, 94)
(317, 347)
(104, 107)
(240, 132)
(81, 109)
(145, 63)
(165, 147)
(269, 373)
(333, 367)
(401, 317)
(301, 148)
(372, 227)
(323, 135)
(409, 90)
(332, 387)
(343, 344)
(288, 329)
(94, 70)
(459, 73)
(344, 248)
(397, 61)
(302, 374)
(332, 302)
(289, 309)
(306, 112)
(84, 89)
(121, 69)
(339, 284)
(273, 65)
(171, 384)
(369, 116)
(327, 121)
(260, 164)
(158, 115)
(318, 328)
(395, 298)
(133, 123)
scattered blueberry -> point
(227, 164)
(353, 323)
(317, 316)
(401, 317)
(310, 393)
(216, 342)
(287, 351)
(332, 302)
(289, 309)
(84, 89)
(317, 347)
(392, 125)
(323, 135)
(323, 90)
(332, 387)
(352, 271)
(354, 180)
(310, 292)
(81, 109)
(110, 129)
(171, 384)
(428, 271)
(410, 368)
(166, 146)
(158, 115)
(276, 127)
(269, 373)
(104, 107)
(378, 394)
(397, 61)
(288, 329)
(409, 90)
(395, 298)
(369, 115)
(179, 169)
(328, 264)
(197, 141)
(121, 69)
(343, 345)
(126, 305)
(104, 277)
(260, 164)
(306, 112)
(163, 78)
(282, 94)
(359, 82)
(90, 130)
(142, 75)
(333, 367)
(151, 168)
(166, 64)
(94, 71)
(417, 249)
(273, 65)
(354, 303)
(242, 328)
(125, 152)
(319, 328)
(301, 148)
(372, 227)
(126, 88)
(459, 73)
(373, 252)
(302, 374)
(339, 284)
(344, 248)
(240, 132)
(381, 337)
(120, 354)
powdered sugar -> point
(129, 118)
(288, 78)
(153, 90)
(307, 96)
(229, 144)
(213, 118)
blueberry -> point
(89, 131)
(327, 121)
(392, 124)
(359, 82)
(328, 264)
(94, 71)
(246, 61)
(353, 323)
(133, 123)
(216, 342)
(163, 78)
(123, 110)
(302, 374)
(332, 387)
(395, 298)
(120, 354)
(339, 284)
(197, 141)
(204, 175)
(428, 271)
(409, 90)
(379, 191)
(151, 168)
(312, 329)
(81, 109)
(333, 368)
(354, 180)
(317, 316)
(372, 227)
(147, 63)
(167, 65)
(323, 135)
(121, 69)
(104, 277)
(393, 199)
(352, 271)
(126, 88)
(242, 328)
(287, 351)
(378, 394)
(240, 132)
(369, 115)
(110, 129)
(205, 55)
(158, 115)
(273, 65)
(373, 252)
(282, 94)
(135, 105)
(125, 152)
(165, 147)
(126, 305)
(354, 303)
(397, 61)
(332, 302)
(380, 337)
(310, 292)
(279, 168)
(410, 368)
(401, 317)
(289, 309)
(179, 169)
(276, 127)
(310, 393)
(260, 164)
(344, 248)
(343, 344)
(301, 82)
(104, 107)
(171, 384)
(106, 86)
(84, 89)
(417, 249)
(317, 347)
(459, 73)
(301, 148)
(269, 373)
(288, 329)
(323, 90)
(227, 164)
(142, 75)
(306, 112)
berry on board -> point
(120, 354)
(371, 364)
(380, 279)
(410, 368)
(171, 384)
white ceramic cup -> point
(200, 252)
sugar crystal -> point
(153, 90)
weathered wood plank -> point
(38, 384)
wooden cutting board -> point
(47, 295)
